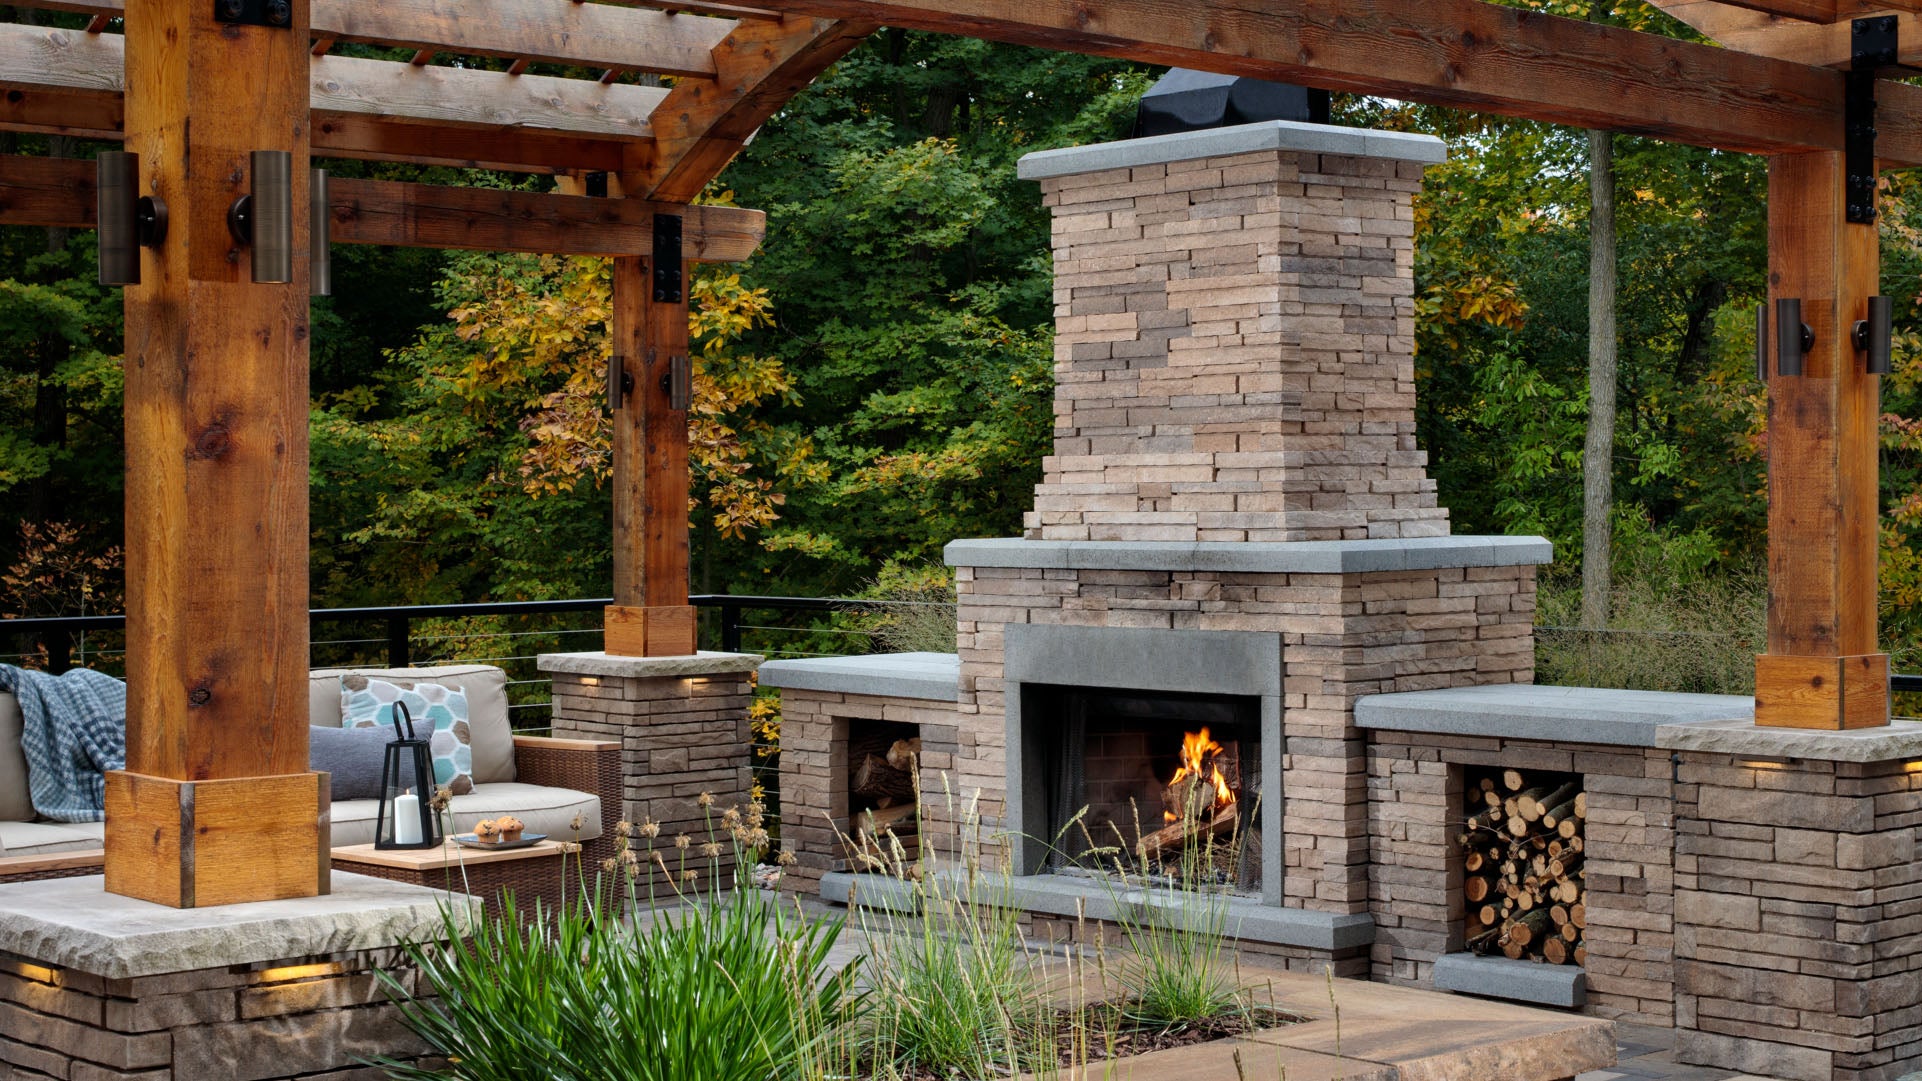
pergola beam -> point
(60, 192)
(580, 34)
(1461, 53)
(702, 124)
(34, 58)
(1749, 31)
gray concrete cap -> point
(1292, 135)
(605, 664)
(1526, 711)
(75, 923)
(1898, 740)
(1073, 896)
(1518, 981)
(933, 677)
(1254, 557)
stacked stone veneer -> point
(815, 770)
(1415, 821)
(1234, 341)
(307, 1017)
(682, 723)
(1798, 911)
(1342, 636)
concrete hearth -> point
(97, 985)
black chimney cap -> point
(1185, 100)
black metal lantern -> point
(405, 818)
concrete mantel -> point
(1254, 557)
(1281, 135)
(934, 677)
(75, 923)
(691, 666)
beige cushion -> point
(489, 732)
(47, 838)
(16, 803)
(543, 809)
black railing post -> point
(730, 628)
(397, 643)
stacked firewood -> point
(882, 782)
(1522, 854)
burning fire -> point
(1199, 755)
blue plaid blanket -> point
(75, 730)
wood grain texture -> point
(702, 124)
(196, 844)
(665, 631)
(33, 56)
(518, 150)
(1822, 455)
(1461, 53)
(1829, 693)
(53, 191)
(216, 412)
(582, 35)
(1818, 45)
(650, 464)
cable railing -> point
(508, 634)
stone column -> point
(94, 985)
(683, 728)
(1797, 899)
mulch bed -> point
(1108, 1032)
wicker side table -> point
(535, 873)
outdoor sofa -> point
(543, 782)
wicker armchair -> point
(582, 765)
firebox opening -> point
(1166, 783)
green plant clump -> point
(734, 987)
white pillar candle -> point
(407, 819)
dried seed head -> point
(785, 859)
(705, 799)
(650, 829)
(624, 828)
(682, 840)
(609, 864)
(756, 839)
(443, 798)
(579, 821)
(688, 875)
(630, 857)
(710, 850)
(731, 819)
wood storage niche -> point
(882, 830)
(1521, 851)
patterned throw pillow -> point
(365, 702)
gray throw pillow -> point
(353, 755)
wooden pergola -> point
(216, 804)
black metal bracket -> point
(619, 383)
(594, 185)
(278, 14)
(1872, 46)
(667, 259)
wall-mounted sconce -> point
(679, 383)
(320, 217)
(264, 219)
(619, 383)
(127, 220)
(1872, 335)
(1790, 346)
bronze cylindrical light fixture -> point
(1873, 336)
(117, 194)
(273, 216)
(319, 219)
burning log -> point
(1188, 830)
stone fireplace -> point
(1234, 531)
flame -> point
(1199, 754)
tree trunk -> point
(1598, 454)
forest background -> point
(877, 380)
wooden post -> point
(216, 804)
(1822, 668)
(650, 616)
